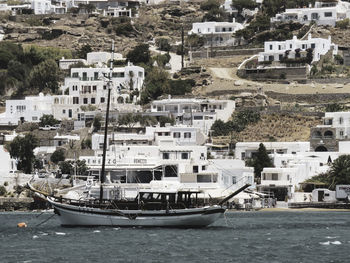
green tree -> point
(210, 5)
(217, 15)
(44, 76)
(334, 107)
(140, 54)
(58, 156)
(259, 161)
(164, 119)
(66, 167)
(339, 172)
(220, 128)
(22, 148)
(244, 4)
(97, 123)
(48, 119)
(82, 52)
(156, 83)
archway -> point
(321, 148)
(120, 100)
(316, 135)
(328, 134)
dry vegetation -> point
(279, 127)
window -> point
(313, 45)
(279, 47)
(94, 88)
(102, 99)
(314, 16)
(34, 118)
(187, 135)
(234, 179)
(280, 56)
(85, 76)
(177, 135)
(340, 120)
(204, 168)
(140, 74)
(195, 168)
(75, 100)
(85, 101)
(118, 75)
(184, 156)
(198, 117)
(93, 100)
(328, 14)
(166, 133)
(75, 75)
(291, 46)
(341, 133)
(64, 111)
(274, 177)
(304, 46)
(104, 87)
(166, 156)
(95, 75)
(270, 47)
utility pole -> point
(182, 46)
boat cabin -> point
(161, 200)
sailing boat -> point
(161, 208)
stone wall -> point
(222, 52)
(290, 73)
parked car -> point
(56, 127)
(45, 128)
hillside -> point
(279, 127)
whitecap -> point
(44, 234)
(336, 242)
(60, 233)
(97, 231)
(235, 238)
(328, 237)
(269, 238)
(325, 243)
(116, 228)
(34, 237)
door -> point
(320, 196)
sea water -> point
(240, 237)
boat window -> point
(170, 171)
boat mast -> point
(109, 85)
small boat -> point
(149, 209)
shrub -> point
(343, 24)
(163, 44)
(2, 190)
(57, 156)
(6, 183)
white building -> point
(277, 50)
(117, 12)
(217, 33)
(183, 165)
(14, 9)
(42, 7)
(323, 13)
(200, 113)
(171, 135)
(97, 59)
(246, 150)
(31, 109)
(339, 121)
(87, 86)
(8, 165)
